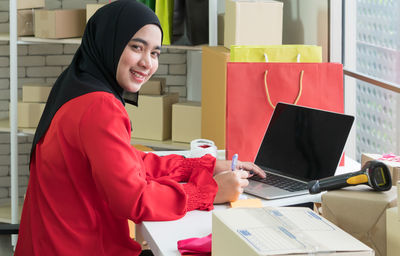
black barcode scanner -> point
(374, 174)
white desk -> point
(162, 236)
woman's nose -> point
(145, 61)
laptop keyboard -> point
(281, 182)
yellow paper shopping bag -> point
(276, 53)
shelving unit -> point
(33, 40)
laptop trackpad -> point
(269, 192)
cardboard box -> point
(392, 232)
(30, 4)
(398, 199)
(186, 121)
(154, 86)
(279, 231)
(35, 92)
(213, 94)
(253, 22)
(394, 167)
(29, 114)
(59, 23)
(25, 22)
(152, 119)
(91, 9)
(360, 211)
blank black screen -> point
(303, 142)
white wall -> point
(306, 22)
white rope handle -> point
(266, 57)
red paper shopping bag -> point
(253, 89)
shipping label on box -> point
(152, 119)
(213, 94)
(59, 23)
(25, 22)
(186, 121)
(35, 92)
(360, 211)
(30, 4)
(29, 114)
(253, 23)
(279, 231)
(390, 162)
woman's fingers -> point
(252, 168)
(243, 175)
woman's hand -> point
(225, 165)
(230, 185)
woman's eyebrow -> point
(158, 47)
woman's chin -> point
(133, 89)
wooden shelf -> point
(36, 40)
(5, 127)
(32, 39)
(165, 145)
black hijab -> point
(94, 65)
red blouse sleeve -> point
(119, 171)
(176, 167)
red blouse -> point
(86, 180)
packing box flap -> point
(279, 231)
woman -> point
(86, 179)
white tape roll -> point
(201, 147)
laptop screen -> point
(304, 143)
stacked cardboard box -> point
(186, 121)
(152, 119)
(91, 9)
(154, 86)
(213, 94)
(25, 16)
(34, 97)
(59, 23)
(253, 23)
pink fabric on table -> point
(197, 246)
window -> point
(370, 35)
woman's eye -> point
(136, 47)
(156, 54)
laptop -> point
(300, 144)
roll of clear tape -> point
(201, 147)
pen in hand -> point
(234, 161)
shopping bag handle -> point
(298, 95)
(266, 57)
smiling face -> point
(139, 60)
